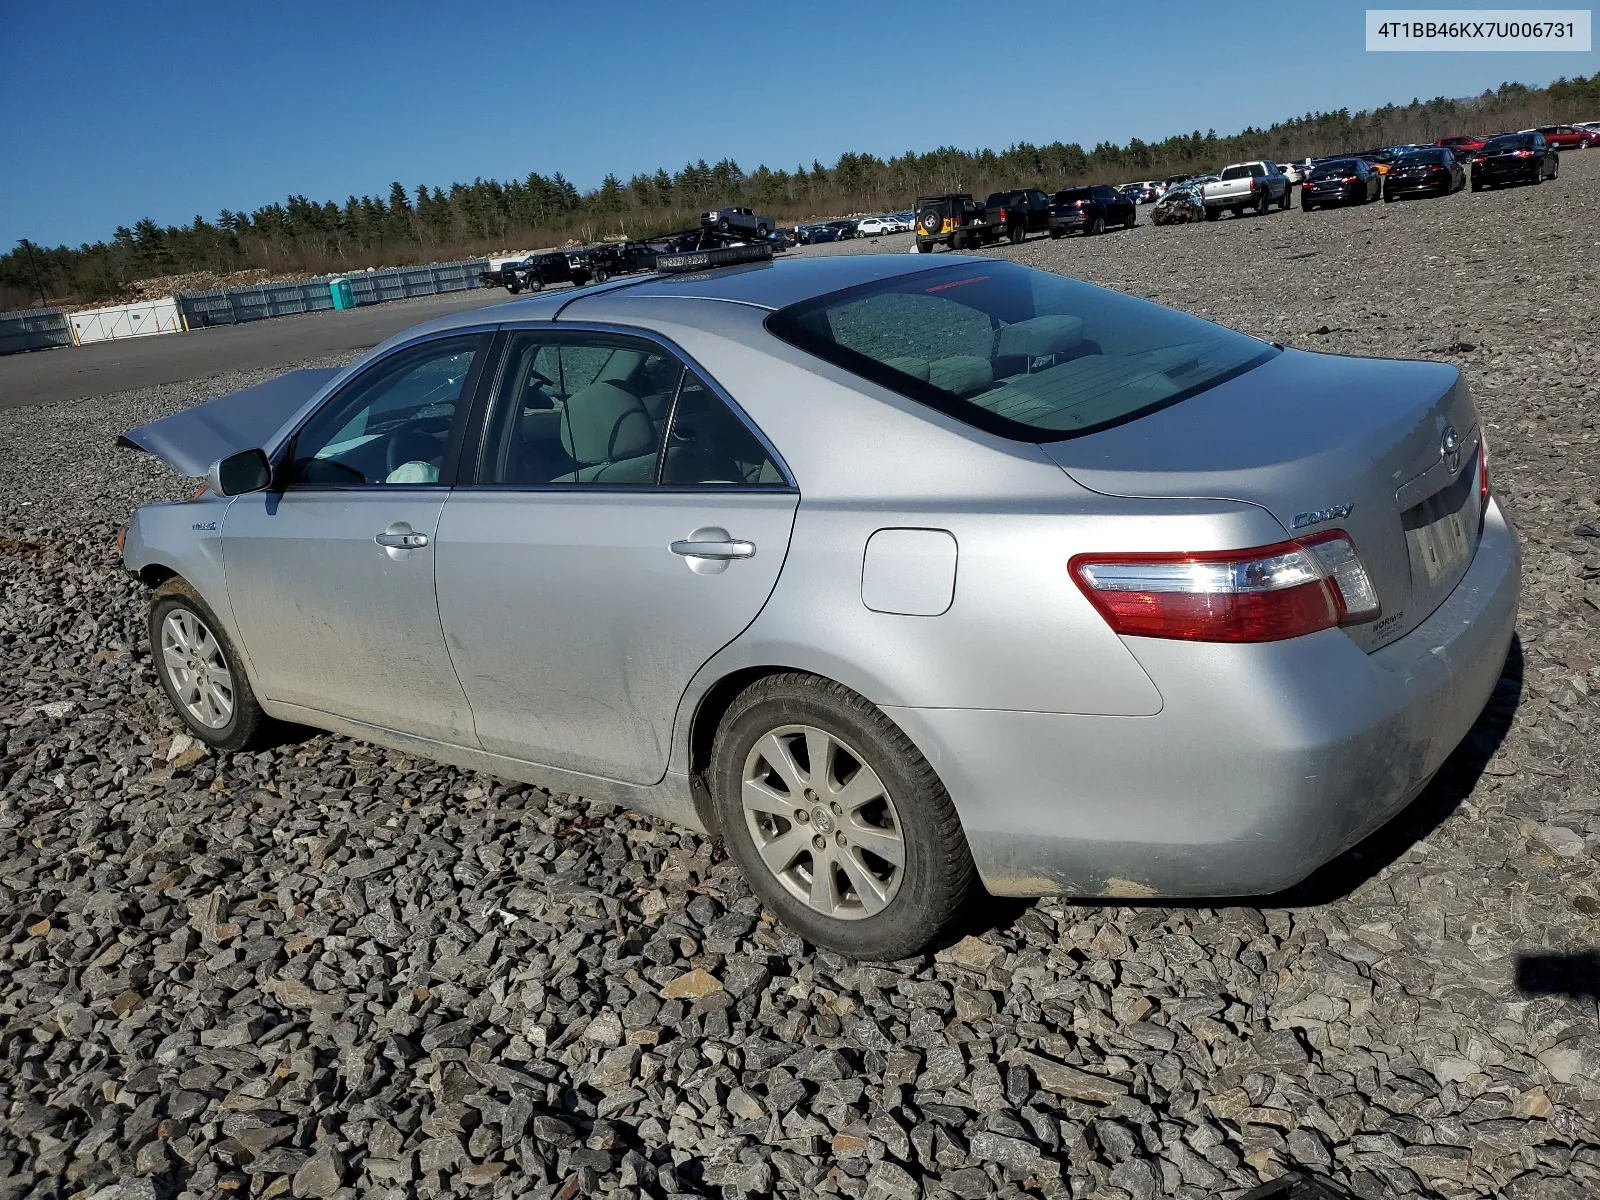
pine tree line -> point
(433, 223)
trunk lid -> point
(190, 441)
(1305, 435)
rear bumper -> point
(1415, 187)
(1338, 195)
(1265, 761)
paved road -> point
(47, 376)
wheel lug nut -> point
(837, 811)
(811, 797)
(802, 815)
(819, 843)
(840, 838)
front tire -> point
(840, 824)
(200, 671)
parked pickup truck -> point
(1247, 185)
(536, 270)
(1019, 212)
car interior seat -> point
(609, 434)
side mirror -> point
(246, 471)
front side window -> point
(391, 425)
(576, 408)
(1018, 352)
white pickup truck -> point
(1248, 185)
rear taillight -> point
(1483, 481)
(1264, 594)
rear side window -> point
(1018, 352)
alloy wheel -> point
(823, 822)
(197, 668)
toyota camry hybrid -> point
(901, 575)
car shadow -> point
(1453, 783)
(1576, 976)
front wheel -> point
(513, 286)
(199, 670)
(840, 824)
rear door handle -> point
(395, 540)
(727, 549)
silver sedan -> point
(899, 574)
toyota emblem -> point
(1450, 448)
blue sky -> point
(115, 112)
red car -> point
(1569, 137)
(1467, 144)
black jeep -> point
(955, 220)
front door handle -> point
(395, 539)
(722, 550)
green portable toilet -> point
(343, 296)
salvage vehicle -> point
(1514, 158)
(895, 575)
(1090, 210)
(1430, 171)
(1181, 205)
(955, 220)
(1019, 212)
(1248, 186)
(1340, 181)
(534, 272)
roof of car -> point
(769, 285)
(773, 284)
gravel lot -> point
(328, 970)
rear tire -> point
(200, 671)
(924, 247)
(1133, 219)
(1055, 235)
(1213, 214)
(762, 781)
(1307, 206)
(1096, 227)
(1017, 234)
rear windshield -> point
(1345, 166)
(1018, 352)
(1422, 156)
(1068, 195)
(998, 199)
(1515, 141)
(1243, 172)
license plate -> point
(1442, 533)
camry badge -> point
(1450, 448)
(1337, 513)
